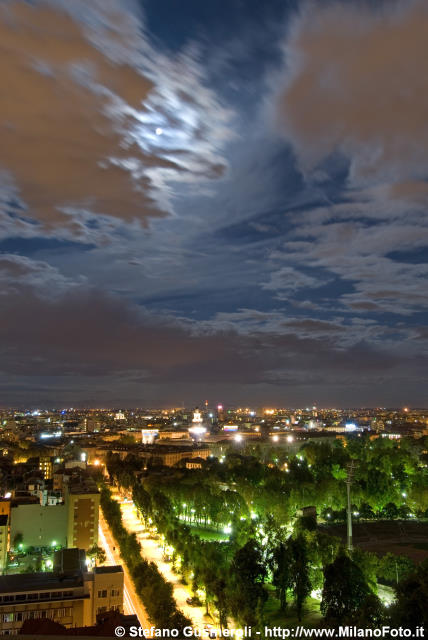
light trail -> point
(129, 608)
(132, 604)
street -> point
(131, 602)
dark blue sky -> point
(213, 200)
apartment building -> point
(73, 599)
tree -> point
(97, 554)
(369, 564)
(281, 572)
(411, 609)
(371, 613)
(247, 574)
(219, 589)
(393, 568)
(345, 589)
(300, 581)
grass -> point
(209, 534)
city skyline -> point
(222, 201)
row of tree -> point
(155, 592)
(391, 481)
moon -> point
(159, 131)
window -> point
(8, 617)
(67, 594)
(21, 596)
(115, 592)
(102, 593)
(56, 594)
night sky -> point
(220, 200)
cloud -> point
(360, 255)
(356, 82)
(19, 274)
(83, 346)
(289, 279)
(86, 333)
(84, 97)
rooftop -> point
(43, 581)
(117, 568)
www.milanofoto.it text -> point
(275, 632)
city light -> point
(197, 431)
(350, 426)
(230, 427)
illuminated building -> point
(82, 501)
(168, 456)
(72, 597)
(197, 417)
(91, 425)
(46, 466)
(5, 507)
(148, 435)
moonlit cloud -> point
(78, 126)
(356, 82)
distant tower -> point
(220, 412)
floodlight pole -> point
(349, 478)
